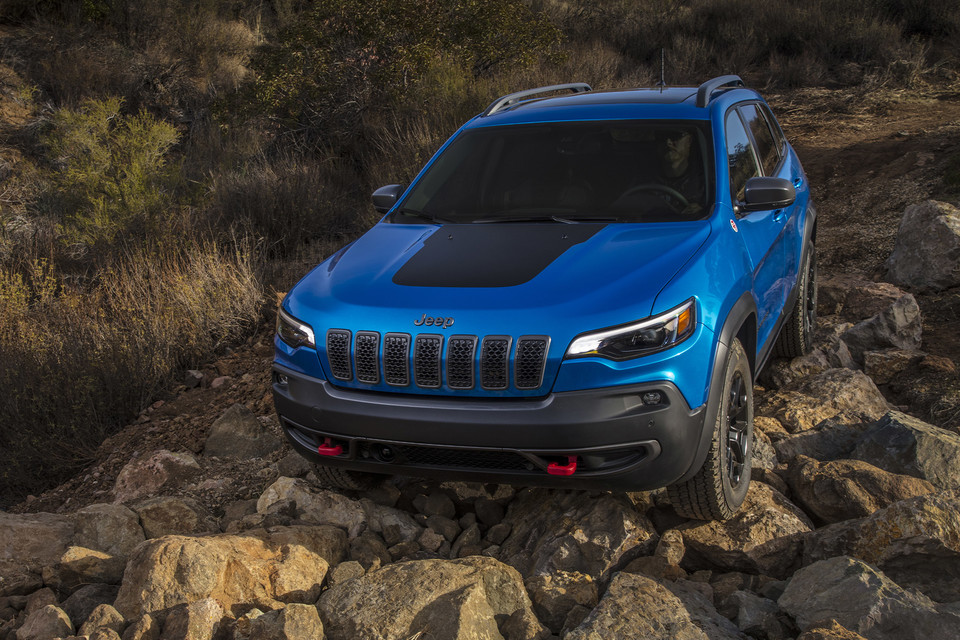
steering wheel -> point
(673, 196)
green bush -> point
(111, 170)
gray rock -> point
(316, 506)
(45, 623)
(915, 541)
(846, 489)
(764, 536)
(171, 515)
(489, 512)
(446, 527)
(756, 616)
(574, 531)
(470, 537)
(193, 378)
(764, 456)
(370, 551)
(843, 395)
(452, 599)
(863, 599)
(636, 607)
(430, 540)
(39, 599)
(435, 504)
(380, 518)
(898, 326)
(237, 511)
(294, 465)
(851, 299)
(29, 542)
(885, 365)
(829, 440)
(926, 255)
(103, 616)
(145, 476)
(499, 532)
(903, 444)
(345, 571)
(79, 566)
(293, 622)
(111, 528)
(84, 600)
(238, 434)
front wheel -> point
(719, 488)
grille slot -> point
(338, 354)
(396, 359)
(460, 357)
(530, 360)
(494, 357)
(426, 360)
(366, 356)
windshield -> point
(622, 171)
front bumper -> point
(619, 442)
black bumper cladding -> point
(598, 439)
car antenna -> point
(663, 83)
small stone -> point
(384, 494)
(489, 512)
(403, 550)
(143, 628)
(84, 600)
(198, 620)
(220, 381)
(103, 616)
(392, 534)
(435, 504)
(467, 520)
(555, 595)
(446, 527)
(498, 532)
(469, 537)
(430, 540)
(370, 551)
(145, 476)
(40, 599)
(238, 434)
(294, 465)
(345, 571)
(193, 378)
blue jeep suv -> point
(578, 290)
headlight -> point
(293, 332)
(638, 338)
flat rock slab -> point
(915, 541)
(903, 444)
(574, 531)
(462, 599)
(864, 600)
(765, 536)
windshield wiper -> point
(413, 213)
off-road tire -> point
(796, 336)
(713, 493)
(338, 478)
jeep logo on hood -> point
(434, 322)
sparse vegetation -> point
(168, 159)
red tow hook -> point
(555, 469)
(328, 449)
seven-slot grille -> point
(430, 360)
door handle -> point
(797, 183)
(779, 215)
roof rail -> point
(708, 87)
(500, 103)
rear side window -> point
(775, 127)
(740, 156)
(766, 147)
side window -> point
(740, 156)
(766, 147)
(775, 127)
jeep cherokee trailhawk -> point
(578, 290)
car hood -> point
(505, 278)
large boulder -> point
(316, 506)
(637, 607)
(828, 440)
(846, 396)
(239, 434)
(765, 536)
(903, 444)
(574, 531)
(554, 595)
(852, 298)
(899, 326)
(476, 597)
(84, 600)
(197, 620)
(846, 489)
(915, 541)
(293, 622)
(926, 255)
(170, 515)
(110, 528)
(45, 623)
(29, 542)
(866, 601)
(146, 475)
(79, 566)
(257, 569)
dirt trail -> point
(867, 157)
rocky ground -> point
(198, 522)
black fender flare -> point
(742, 309)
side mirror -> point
(762, 194)
(385, 197)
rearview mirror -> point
(762, 194)
(385, 197)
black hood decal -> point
(490, 255)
